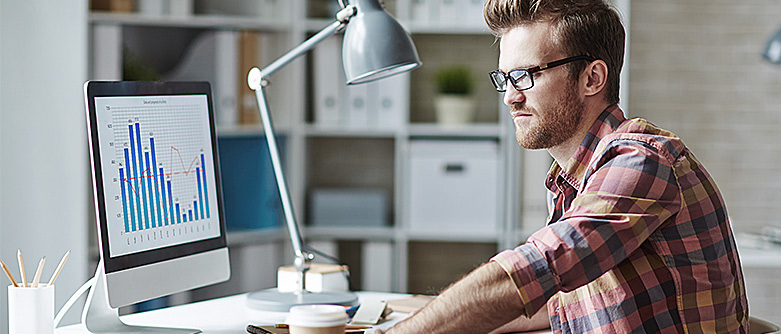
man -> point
(638, 239)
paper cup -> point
(317, 319)
(31, 310)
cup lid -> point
(317, 316)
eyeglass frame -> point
(531, 70)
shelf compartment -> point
(480, 53)
(433, 266)
(351, 163)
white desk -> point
(760, 257)
(226, 315)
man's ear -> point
(594, 78)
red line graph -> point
(146, 173)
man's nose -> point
(513, 96)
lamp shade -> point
(772, 51)
(375, 45)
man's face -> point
(550, 112)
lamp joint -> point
(344, 15)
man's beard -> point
(554, 126)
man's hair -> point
(580, 27)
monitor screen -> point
(156, 178)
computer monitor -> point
(157, 193)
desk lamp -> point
(772, 51)
(375, 46)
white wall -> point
(44, 174)
(697, 70)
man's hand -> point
(482, 301)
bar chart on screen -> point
(162, 185)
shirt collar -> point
(575, 168)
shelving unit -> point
(342, 156)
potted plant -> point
(454, 103)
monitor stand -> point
(99, 317)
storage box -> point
(349, 207)
(453, 188)
(319, 278)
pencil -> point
(8, 273)
(38, 271)
(21, 268)
(59, 267)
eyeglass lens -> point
(519, 78)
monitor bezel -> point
(94, 89)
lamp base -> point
(274, 301)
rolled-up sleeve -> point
(529, 272)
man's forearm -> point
(480, 302)
(523, 324)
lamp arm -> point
(257, 80)
(276, 162)
(342, 18)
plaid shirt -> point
(638, 240)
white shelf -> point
(206, 21)
(351, 233)
(240, 130)
(328, 131)
(453, 236)
(314, 25)
(456, 130)
(446, 29)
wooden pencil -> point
(8, 273)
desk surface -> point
(226, 315)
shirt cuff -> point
(531, 275)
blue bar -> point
(162, 192)
(171, 203)
(136, 174)
(178, 216)
(190, 214)
(157, 183)
(132, 193)
(149, 202)
(200, 192)
(140, 176)
(195, 208)
(124, 197)
(205, 189)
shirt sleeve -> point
(630, 191)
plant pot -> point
(454, 109)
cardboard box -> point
(349, 207)
(319, 278)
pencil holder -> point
(31, 310)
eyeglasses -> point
(521, 78)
